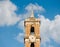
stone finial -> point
(32, 14)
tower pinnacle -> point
(32, 14)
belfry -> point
(32, 31)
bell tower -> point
(32, 32)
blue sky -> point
(13, 13)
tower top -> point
(32, 14)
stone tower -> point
(32, 32)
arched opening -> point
(32, 45)
(32, 29)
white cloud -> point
(7, 13)
(34, 7)
(24, 16)
(21, 25)
(55, 30)
(50, 29)
(20, 37)
(4, 0)
(51, 46)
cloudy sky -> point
(14, 12)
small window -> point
(32, 45)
